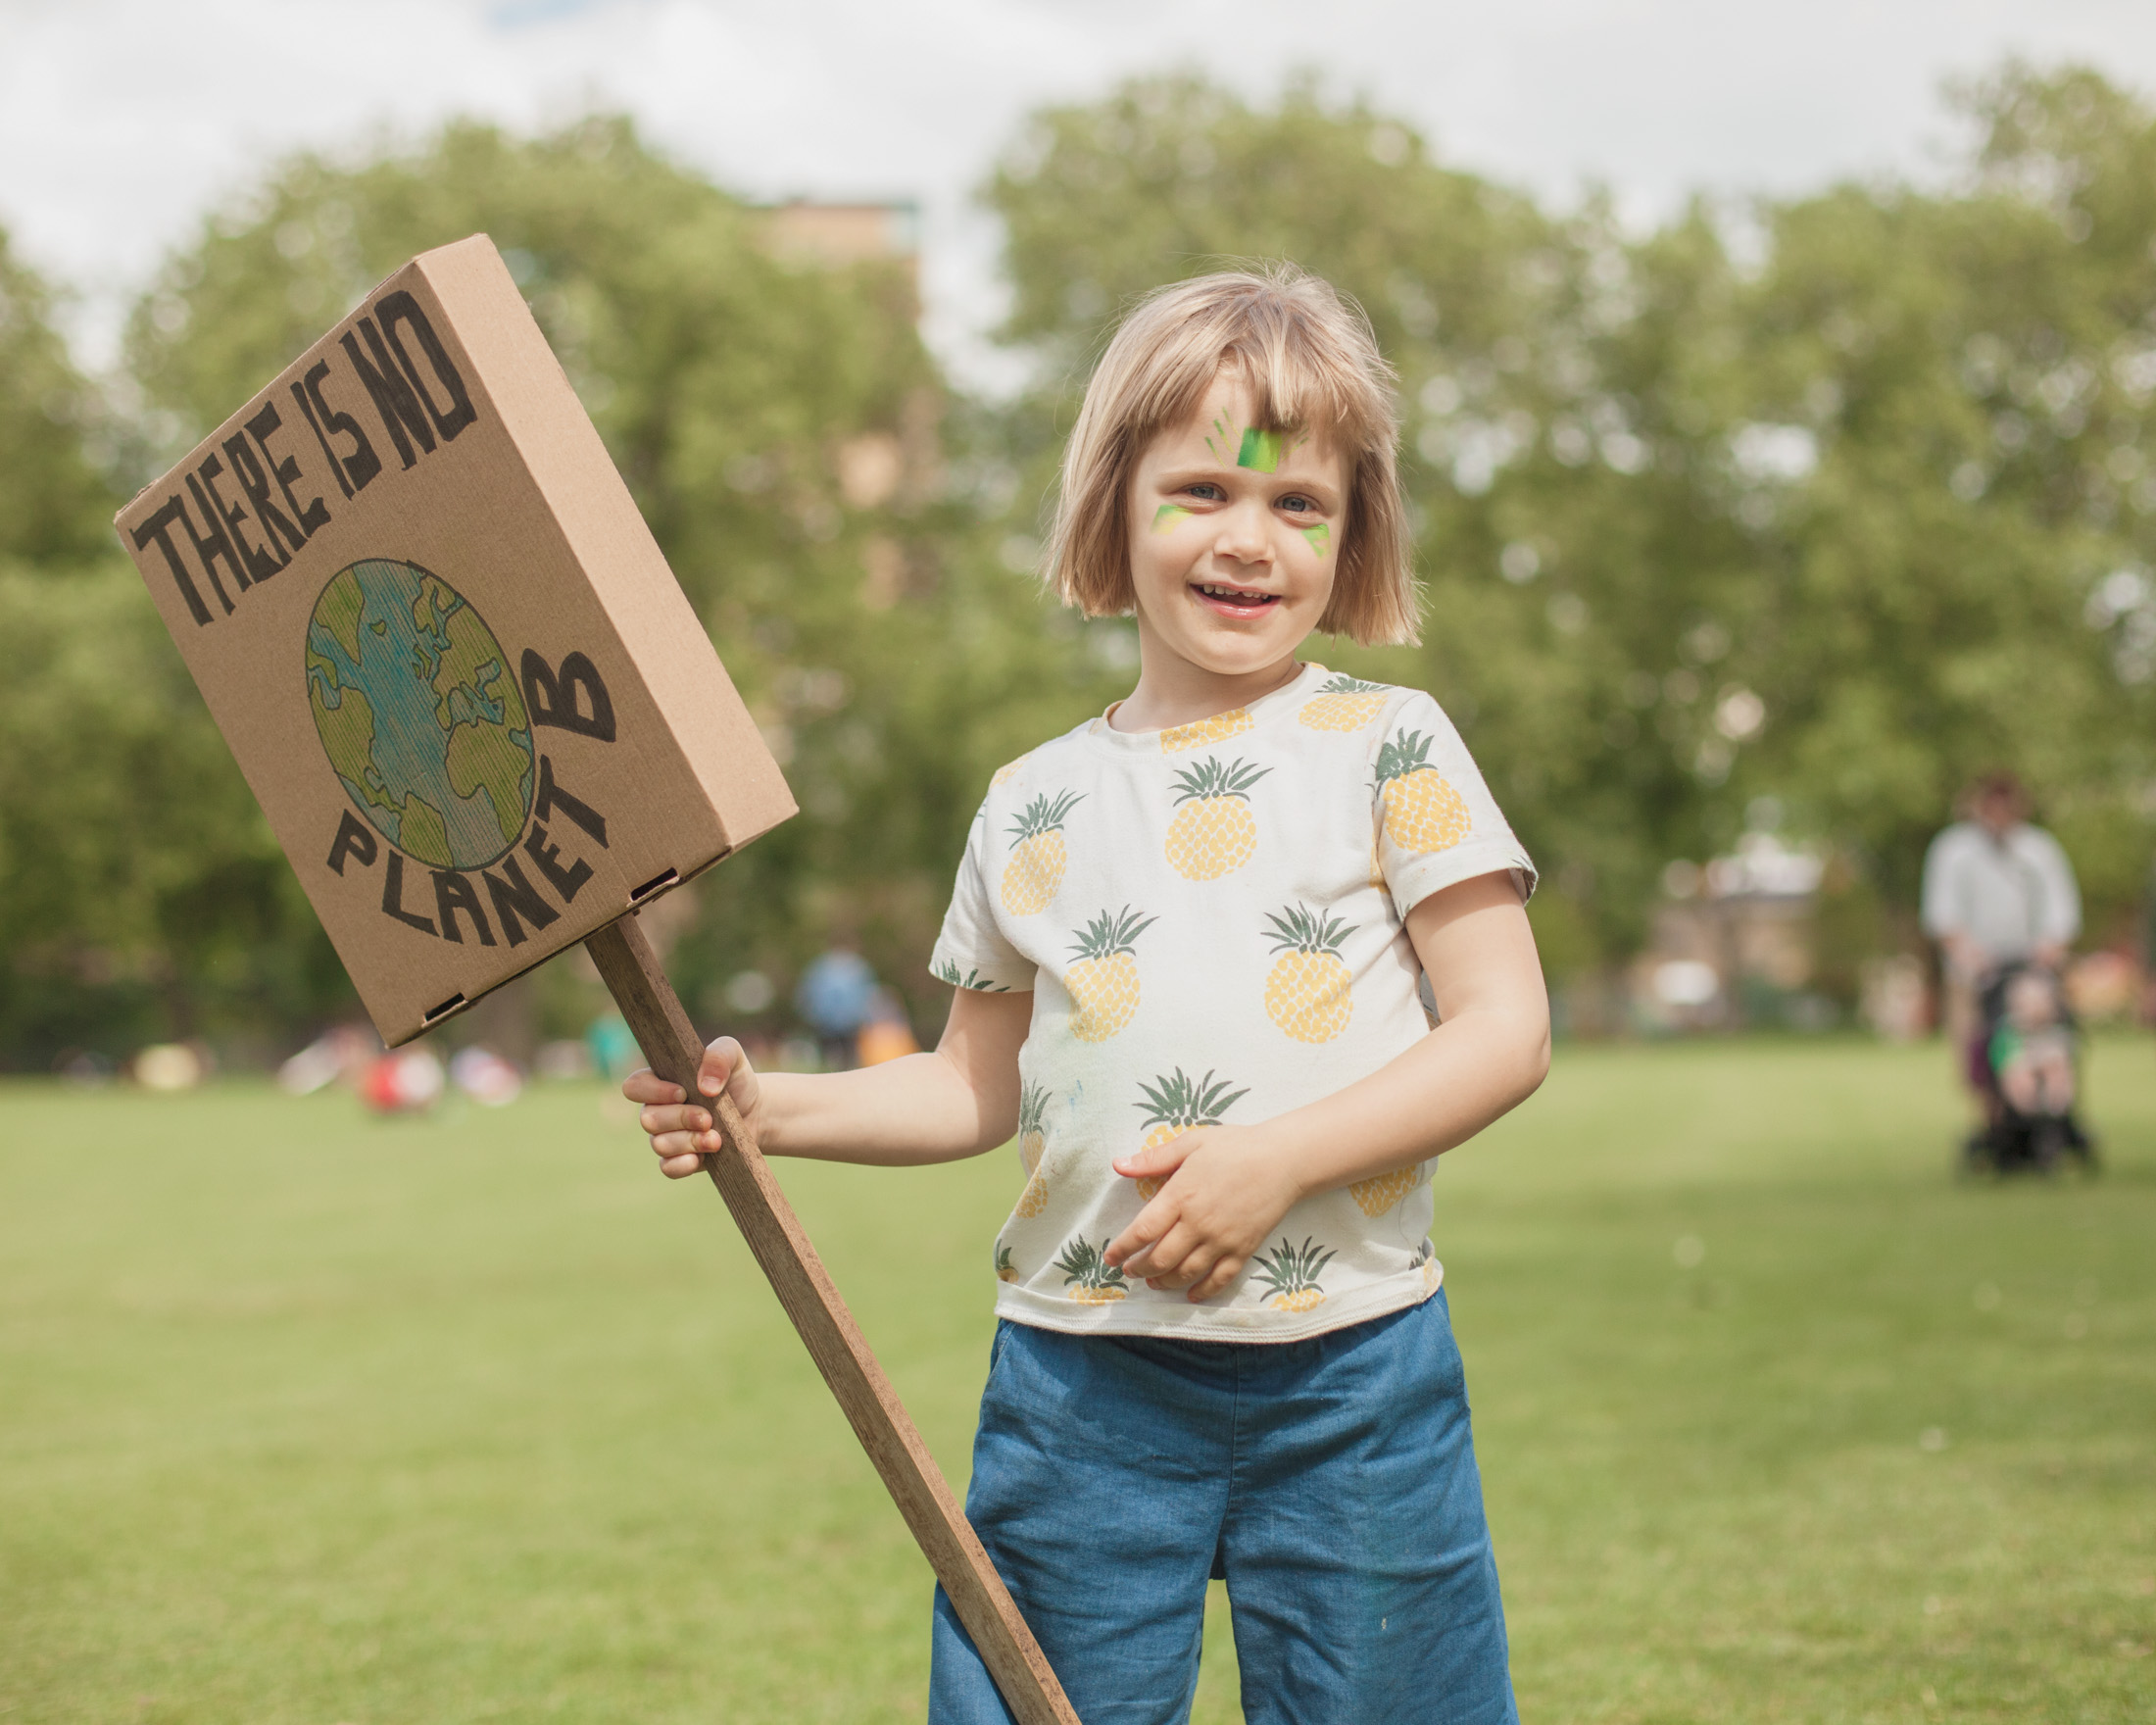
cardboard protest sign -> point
(481, 715)
(485, 725)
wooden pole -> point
(639, 986)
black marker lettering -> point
(159, 528)
(354, 839)
(313, 518)
(393, 882)
(256, 483)
(401, 308)
(553, 700)
(363, 463)
(551, 797)
(397, 406)
(452, 892)
(260, 564)
(517, 897)
(215, 546)
(569, 881)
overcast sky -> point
(122, 120)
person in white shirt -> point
(1996, 891)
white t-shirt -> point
(2009, 895)
(1209, 920)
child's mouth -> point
(1239, 602)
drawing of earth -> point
(419, 713)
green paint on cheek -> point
(1167, 515)
(1261, 450)
(1320, 537)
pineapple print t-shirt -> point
(1209, 921)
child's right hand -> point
(682, 1133)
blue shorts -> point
(1330, 1481)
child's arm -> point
(933, 1108)
(1232, 1184)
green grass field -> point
(306, 1418)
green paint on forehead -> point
(1320, 537)
(1167, 515)
(1261, 450)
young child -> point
(2032, 1050)
(1188, 938)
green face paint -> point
(1261, 450)
(1167, 515)
(1319, 537)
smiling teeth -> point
(1233, 593)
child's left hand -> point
(1226, 1186)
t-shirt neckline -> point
(1290, 694)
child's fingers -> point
(1159, 1159)
(1147, 1226)
(676, 1118)
(1224, 1270)
(646, 1086)
(721, 1059)
(1161, 1262)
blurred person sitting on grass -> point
(1187, 938)
(1997, 891)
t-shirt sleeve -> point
(1437, 824)
(972, 950)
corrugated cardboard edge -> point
(629, 574)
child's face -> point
(1234, 532)
(2029, 1002)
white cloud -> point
(122, 120)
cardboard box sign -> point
(471, 697)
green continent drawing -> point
(420, 714)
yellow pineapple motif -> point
(1008, 772)
(1174, 1105)
(1342, 704)
(1309, 991)
(1103, 982)
(1422, 813)
(1038, 854)
(1426, 1260)
(1006, 1271)
(1032, 1145)
(1090, 1281)
(1381, 1192)
(1216, 729)
(1212, 833)
(1291, 1272)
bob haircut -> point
(1312, 366)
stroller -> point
(2026, 1067)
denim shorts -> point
(1330, 1481)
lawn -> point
(306, 1418)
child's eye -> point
(1210, 493)
(1301, 504)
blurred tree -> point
(141, 894)
(1561, 567)
(55, 506)
(1836, 528)
(1959, 575)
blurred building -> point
(1734, 942)
(836, 235)
(896, 468)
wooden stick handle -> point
(647, 1000)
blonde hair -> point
(1311, 363)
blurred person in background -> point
(1997, 891)
(836, 997)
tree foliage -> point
(54, 503)
(1811, 508)
(1838, 524)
